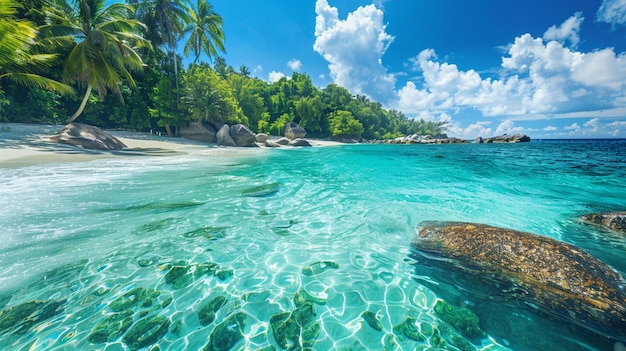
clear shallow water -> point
(158, 239)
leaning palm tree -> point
(204, 30)
(104, 40)
(18, 62)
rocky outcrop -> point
(282, 141)
(610, 220)
(421, 139)
(558, 279)
(517, 138)
(88, 137)
(262, 137)
(294, 131)
(271, 143)
(242, 136)
(199, 132)
(299, 142)
(224, 138)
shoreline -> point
(23, 145)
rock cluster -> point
(242, 136)
(504, 138)
(199, 131)
(88, 137)
(420, 139)
(610, 220)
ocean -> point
(288, 248)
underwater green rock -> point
(207, 232)
(111, 327)
(205, 269)
(179, 276)
(304, 296)
(156, 225)
(132, 298)
(227, 334)
(409, 329)
(23, 317)
(261, 190)
(461, 319)
(146, 332)
(291, 327)
(224, 274)
(372, 320)
(206, 315)
(319, 267)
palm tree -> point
(17, 60)
(244, 71)
(204, 30)
(104, 40)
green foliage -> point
(204, 30)
(278, 126)
(209, 97)
(343, 124)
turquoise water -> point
(150, 244)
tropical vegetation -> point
(117, 65)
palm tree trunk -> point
(81, 107)
(169, 131)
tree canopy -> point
(129, 50)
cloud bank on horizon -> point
(540, 78)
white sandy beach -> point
(38, 149)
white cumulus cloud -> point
(294, 64)
(353, 48)
(612, 11)
(568, 30)
(275, 76)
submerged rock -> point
(297, 329)
(133, 298)
(227, 334)
(146, 332)
(409, 329)
(610, 220)
(21, 318)
(372, 320)
(261, 190)
(206, 315)
(319, 267)
(111, 328)
(559, 279)
(88, 137)
(461, 319)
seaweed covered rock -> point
(296, 329)
(111, 327)
(461, 319)
(409, 329)
(88, 137)
(561, 280)
(146, 332)
(318, 268)
(21, 318)
(372, 320)
(610, 220)
(227, 334)
(207, 312)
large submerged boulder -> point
(556, 278)
(294, 131)
(88, 137)
(610, 220)
(199, 131)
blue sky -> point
(546, 68)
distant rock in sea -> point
(504, 138)
(88, 137)
(609, 220)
